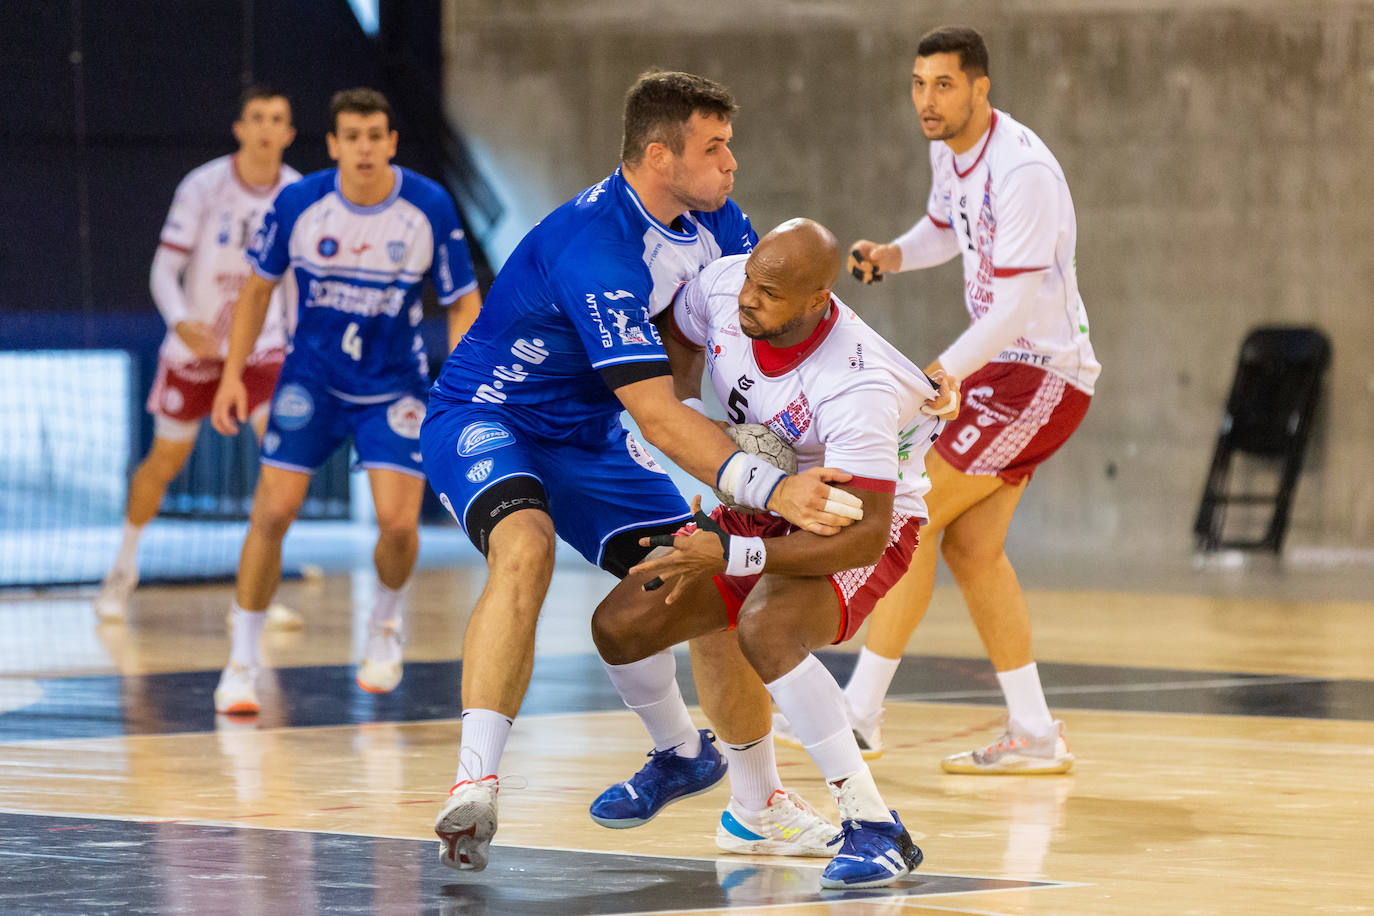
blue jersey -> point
(358, 273)
(570, 315)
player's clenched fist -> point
(231, 404)
(869, 261)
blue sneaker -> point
(872, 854)
(665, 778)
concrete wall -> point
(1219, 156)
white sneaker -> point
(787, 826)
(281, 617)
(111, 603)
(380, 669)
(466, 824)
(237, 693)
(1016, 755)
(867, 732)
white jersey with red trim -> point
(212, 219)
(847, 400)
(1009, 206)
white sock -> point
(856, 795)
(649, 687)
(1026, 706)
(389, 605)
(247, 633)
(484, 741)
(814, 704)
(128, 547)
(868, 684)
(753, 772)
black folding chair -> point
(1268, 416)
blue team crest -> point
(396, 251)
(480, 471)
(328, 246)
(293, 407)
(483, 436)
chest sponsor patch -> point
(641, 455)
(482, 436)
(792, 422)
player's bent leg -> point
(634, 630)
(498, 646)
(276, 503)
(163, 462)
(396, 497)
(1033, 742)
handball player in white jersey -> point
(359, 241)
(999, 201)
(197, 273)
(781, 350)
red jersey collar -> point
(775, 361)
(987, 138)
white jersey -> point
(847, 400)
(213, 217)
(1009, 206)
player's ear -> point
(657, 156)
(981, 87)
(238, 130)
(332, 142)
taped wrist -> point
(749, 479)
(744, 556)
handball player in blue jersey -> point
(523, 442)
(358, 241)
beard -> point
(768, 334)
(692, 199)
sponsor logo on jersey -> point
(479, 471)
(745, 383)
(396, 251)
(792, 421)
(618, 294)
(989, 412)
(856, 361)
(344, 296)
(271, 442)
(328, 246)
(594, 310)
(482, 436)
(457, 235)
(405, 415)
(629, 334)
(444, 501)
(293, 408)
(530, 350)
(641, 455)
(360, 249)
(417, 457)
(173, 401)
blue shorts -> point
(595, 490)
(309, 421)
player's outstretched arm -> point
(461, 315)
(230, 407)
(695, 444)
(710, 550)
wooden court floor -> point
(1224, 735)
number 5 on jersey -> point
(352, 344)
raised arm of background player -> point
(1028, 213)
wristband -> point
(744, 556)
(749, 479)
(696, 404)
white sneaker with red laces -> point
(1015, 754)
(466, 824)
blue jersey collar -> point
(672, 235)
(375, 208)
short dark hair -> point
(659, 105)
(362, 101)
(961, 40)
(255, 91)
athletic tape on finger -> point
(844, 509)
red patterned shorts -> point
(857, 589)
(1012, 418)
